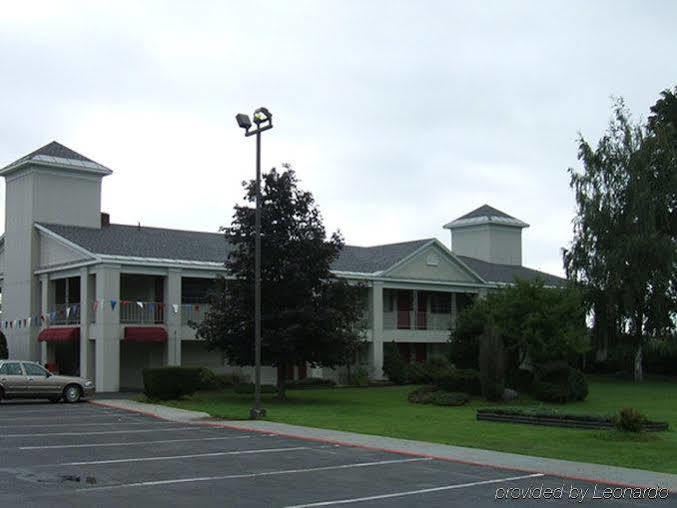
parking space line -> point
(132, 422)
(80, 417)
(414, 492)
(251, 475)
(132, 443)
(99, 432)
(191, 456)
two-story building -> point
(105, 300)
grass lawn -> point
(385, 411)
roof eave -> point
(94, 168)
(478, 221)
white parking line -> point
(100, 432)
(250, 475)
(414, 492)
(192, 456)
(118, 423)
(132, 443)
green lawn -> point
(385, 411)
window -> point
(11, 369)
(33, 369)
(441, 303)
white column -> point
(84, 321)
(44, 308)
(173, 320)
(108, 329)
(376, 346)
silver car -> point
(29, 380)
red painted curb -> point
(389, 450)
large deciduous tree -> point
(307, 314)
(624, 250)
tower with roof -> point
(52, 184)
(489, 235)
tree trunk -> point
(639, 375)
(281, 381)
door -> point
(12, 378)
(404, 310)
(39, 381)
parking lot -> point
(86, 455)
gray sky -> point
(398, 116)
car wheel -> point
(72, 393)
(54, 399)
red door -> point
(421, 312)
(404, 310)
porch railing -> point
(64, 314)
(193, 312)
(421, 320)
(136, 312)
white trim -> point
(493, 219)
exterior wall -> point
(134, 357)
(489, 242)
(432, 264)
(38, 195)
(54, 253)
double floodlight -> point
(262, 118)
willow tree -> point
(624, 250)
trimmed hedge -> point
(249, 388)
(309, 382)
(169, 383)
(422, 394)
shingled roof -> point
(506, 274)
(483, 215)
(56, 154)
(180, 245)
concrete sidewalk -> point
(568, 469)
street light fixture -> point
(264, 121)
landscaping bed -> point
(555, 419)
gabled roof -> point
(506, 274)
(485, 214)
(57, 155)
(376, 258)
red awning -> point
(145, 334)
(62, 334)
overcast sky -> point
(398, 116)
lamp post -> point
(264, 121)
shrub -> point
(461, 380)
(520, 379)
(4, 352)
(229, 379)
(249, 388)
(359, 377)
(557, 382)
(209, 380)
(464, 343)
(416, 373)
(168, 383)
(440, 398)
(630, 420)
(310, 382)
(393, 364)
(422, 394)
(492, 364)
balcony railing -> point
(64, 314)
(193, 312)
(410, 320)
(142, 312)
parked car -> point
(30, 380)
